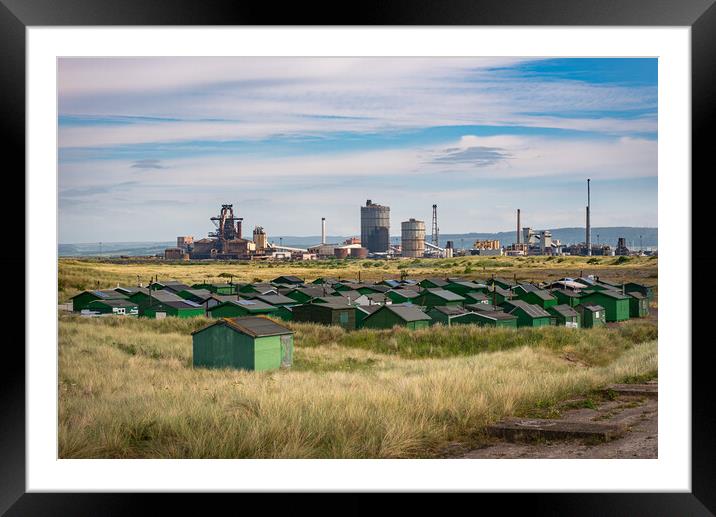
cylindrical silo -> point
(412, 235)
(341, 253)
(359, 252)
(375, 227)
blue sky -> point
(149, 148)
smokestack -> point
(323, 230)
(589, 228)
(518, 226)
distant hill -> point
(565, 235)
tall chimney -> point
(589, 228)
(323, 230)
(518, 226)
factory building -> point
(375, 227)
(412, 238)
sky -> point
(150, 148)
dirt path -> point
(637, 413)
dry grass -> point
(76, 275)
(127, 389)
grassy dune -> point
(76, 275)
(127, 388)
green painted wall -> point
(230, 310)
(616, 309)
(221, 347)
(638, 308)
(486, 322)
(525, 320)
(572, 301)
(427, 299)
(536, 300)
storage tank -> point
(359, 253)
(341, 253)
(412, 237)
(375, 227)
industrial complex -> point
(226, 241)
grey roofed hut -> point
(251, 343)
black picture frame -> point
(700, 15)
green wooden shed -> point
(564, 315)
(615, 303)
(631, 287)
(402, 295)
(195, 295)
(241, 308)
(305, 294)
(251, 343)
(462, 288)
(221, 289)
(638, 305)
(146, 298)
(330, 313)
(495, 319)
(388, 316)
(502, 282)
(438, 298)
(287, 280)
(81, 300)
(528, 315)
(567, 297)
(285, 312)
(444, 315)
(363, 311)
(433, 283)
(116, 307)
(534, 295)
(182, 309)
(591, 316)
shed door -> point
(286, 350)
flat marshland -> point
(127, 388)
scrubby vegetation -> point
(127, 388)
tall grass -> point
(75, 275)
(127, 388)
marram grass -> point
(127, 388)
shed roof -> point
(483, 307)
(637, 295)
(406, 293)
(104, 294)
(200, 293)
(115, 302)
(252, 325)
(331, 305)
(274, 299)
(288, 278)
(450, 311)
(183, 304)
(251, 305)
(567, 292)
(593, 307)
(446, 295)
(564, 310)
(608, 292)
(534, 311)
(436, 281)
(407, 312)
(497, 315)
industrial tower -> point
(435, 226)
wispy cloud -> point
(148, 164)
